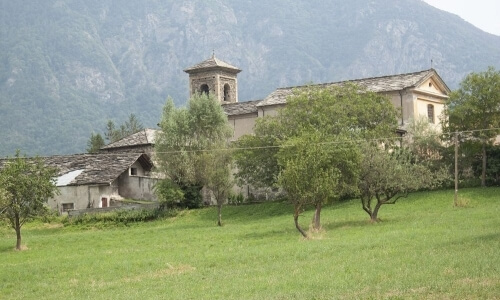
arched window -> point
(204, 89)
(430, 113)
(227, 89)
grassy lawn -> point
(423, 248)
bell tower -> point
(213, 76)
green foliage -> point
(131, 126)
(474, 111)
(423, 140)
(171, 194)
(25, 186)
(168, 193)
(390, 174)
(192, 147)
(236, 199)
(117, 218)
(95, 143)
(309, 148)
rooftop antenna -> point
(213, 53)
(432, 63)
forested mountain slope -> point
(67, 65)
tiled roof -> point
(374, 84)
(143, 137)
(85, 169)
(210, 63)
(96, 168)
(241, 108)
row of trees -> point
(331, 143)
(326, 144)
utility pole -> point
(455, 202)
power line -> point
(327, 143)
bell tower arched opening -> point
(204, 89)
(227, 93)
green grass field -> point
(423, 249)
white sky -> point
(484, 14)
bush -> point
(236, 199)
(119, 217)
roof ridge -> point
(357, 79)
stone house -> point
(99, 180)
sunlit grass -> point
(423, 248)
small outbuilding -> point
(97, 180)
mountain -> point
(67, 66)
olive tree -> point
(315, 172)
(387, 175)
(25, 186)
(316, 113)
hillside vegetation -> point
(424, 249)
(69, 66)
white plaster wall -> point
(81, 196)
(242, 125)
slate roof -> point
(241, 108)
(212, 63)
(87, 169)
(100, 168)
(374, 84)
(143, 137)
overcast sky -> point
(484, 14)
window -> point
(227, 89)
(133, 171)
(430, 113)
(68, 206)
(204, 89)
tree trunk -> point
(366, 207)
(219, 213)
(483, 172)
(296, 220)
(317, 217)
(375, 212)
(18, 234)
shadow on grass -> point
(265, 234)
(247, 212)
(347, 224)
(8, 248)
(474, 240)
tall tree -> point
(25, 186)
(333, 113)
(189, 146)
(474, 110)
(95, 143)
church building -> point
(418, 94)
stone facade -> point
(216, 77)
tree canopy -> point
(191, 148)
(25, 186)
(474, 111)
(309, 147)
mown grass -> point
(424, 248)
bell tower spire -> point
(214, 76)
